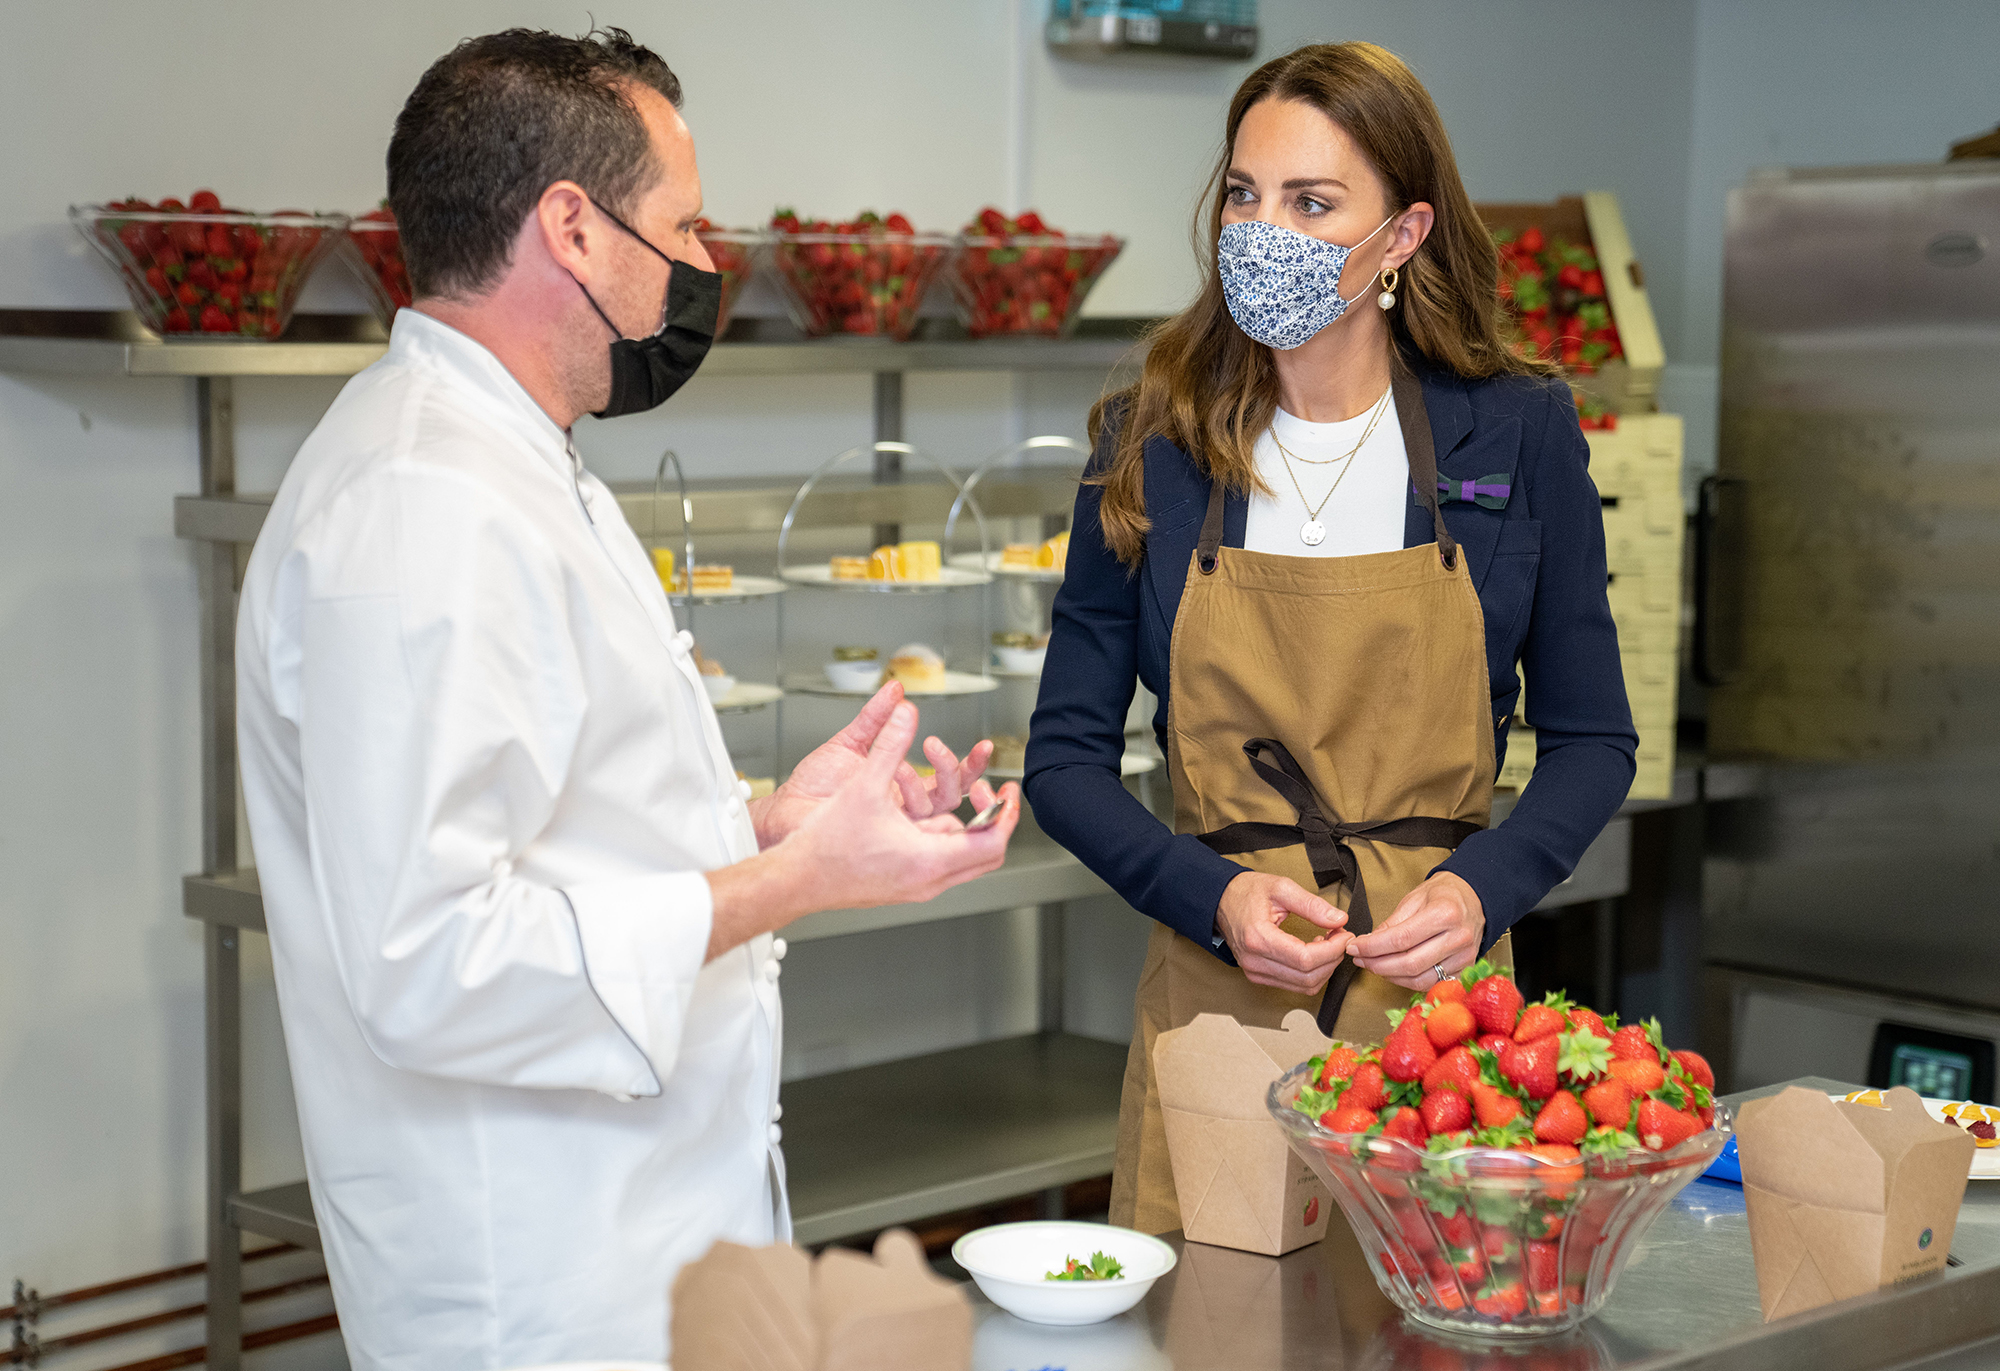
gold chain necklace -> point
(1312, 532)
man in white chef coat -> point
(521, 910)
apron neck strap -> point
(1206, 551)
(1418, 444)
(1421, 449)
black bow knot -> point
(1326, 841)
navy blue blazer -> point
(1539, 568)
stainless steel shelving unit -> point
(865, 1148)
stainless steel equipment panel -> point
(1860, 446)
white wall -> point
(931, 108)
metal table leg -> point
(221, 965)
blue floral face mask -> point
(1282, 287)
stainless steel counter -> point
(1688, 1298)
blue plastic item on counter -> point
(1726, 1167)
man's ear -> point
(569, 228)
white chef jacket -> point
(483, 781)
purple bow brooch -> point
(1489, 492)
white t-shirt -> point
(1365, 515)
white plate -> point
(955, 683)
(949, 578)
(743, 589)
(1985, 1160)
(1009, 1261)
(746, 696)
(970, 561)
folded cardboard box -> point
(777, 1309)
(1239, 1182)
(1845, 1198)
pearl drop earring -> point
(1387, 299)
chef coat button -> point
(777, 1135)
(778, 947)
(771, 969)
(777, 1112)
(735, 804)
(684, 638)
(743, 789)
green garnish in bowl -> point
(1098, 1268)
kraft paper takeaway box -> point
(1845, 1198)
(776, 1309)
(1239, 1182)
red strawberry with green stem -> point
(1531, 1067)
(1562, 1120)
(1663, 1128)
(1496, 1004)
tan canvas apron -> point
(1324, 714)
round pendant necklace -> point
(1312, 532)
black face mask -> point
(645, 371)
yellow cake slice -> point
(918, 667)
(919, 561)
(1019, 556)
(848, 568)
(1054, 554)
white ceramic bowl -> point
(854, 675)
(1020, 658)
(717, 687)
(1010, 1262)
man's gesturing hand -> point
(858, 847)
(1253, 905)
(835, 762)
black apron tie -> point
(1326, 843)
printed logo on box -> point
(1923, 1239)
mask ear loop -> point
(1345, 301)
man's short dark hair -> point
(494, 123)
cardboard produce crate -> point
(1627, 385)
(1637, 469)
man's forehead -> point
(670, 135)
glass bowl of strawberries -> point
(377, 258)
(1499, 1161)
(734, 255)
(198, 268)
(865, 275)
(1019, 276)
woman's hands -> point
(1248, 918)
(1441, 922)
(833, 763)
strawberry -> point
(1472, 1270)
(1631, 1043)
(1697, 1068)
(1366, 1089)
(1498, 1245)
(1562, 1120)
(1662, 1127)
(1449, 1024)
(1539, 1021)
(1407, 1052)
(1609, 1103)
(1559, 1180)
(1458, 1231)
(1581, 1056)
(1339, 1066)
(1502, 1301)
(1349, 1118)
(1455, 1070)
(1544, 1271)
(1644, 1075)
(1405, 1123)
(1494, 1042)
(1532, 1067)
(1447, 1111)
(1494, 1107)
(1495, 1003)
(1452, 989)
(1586, 1021)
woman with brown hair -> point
(1323, 528)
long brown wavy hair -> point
(1211, 389)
